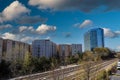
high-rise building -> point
(64, 50)
(94, 38)
(44, 48)
(76, 48)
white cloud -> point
(5, 26)
(111, 34)
(76, 25)
(45, 4)
(85, 23)
(30, 28)
(8, 35)
(118, 48)
(22, 28)
(26, 28)
(27, 39)
(42, 29)
(27, 33)
(13, 11)
(31, 33)
(17, 37)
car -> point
(118, 65)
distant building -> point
(14, 50)
(44, 48)
(76, 48)
(64, 50)
(94, 38)
(1, 48)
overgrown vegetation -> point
(103, 75)
(33, 65)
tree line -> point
(34, 65)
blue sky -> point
(62, 21)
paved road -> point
(116, 76)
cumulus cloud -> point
(118, 48)
(13, 11)
(8, 35)
(83, 5)
(17, 37)
(31, 20)
(25, 28)
(22, 28)
(27, 39)
(85, 23)
(5, 26)
(42, 29)
(111, 34)
(27, 33)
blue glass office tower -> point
(94, 38)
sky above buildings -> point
(62, 21)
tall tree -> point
(105, 53)
(28, 63)
(88, 56)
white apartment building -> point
(1, 48)
(76, 48)
(44, 48)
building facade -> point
(44, 48)
(1, 48)
(76, 48)
(64, 50)
(14, 50)
(94, 38)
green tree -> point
(41, 64)
(88, 56)
(54, 62)
(45, 63)
(16, 68)
(28, 63)
(104, 53)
